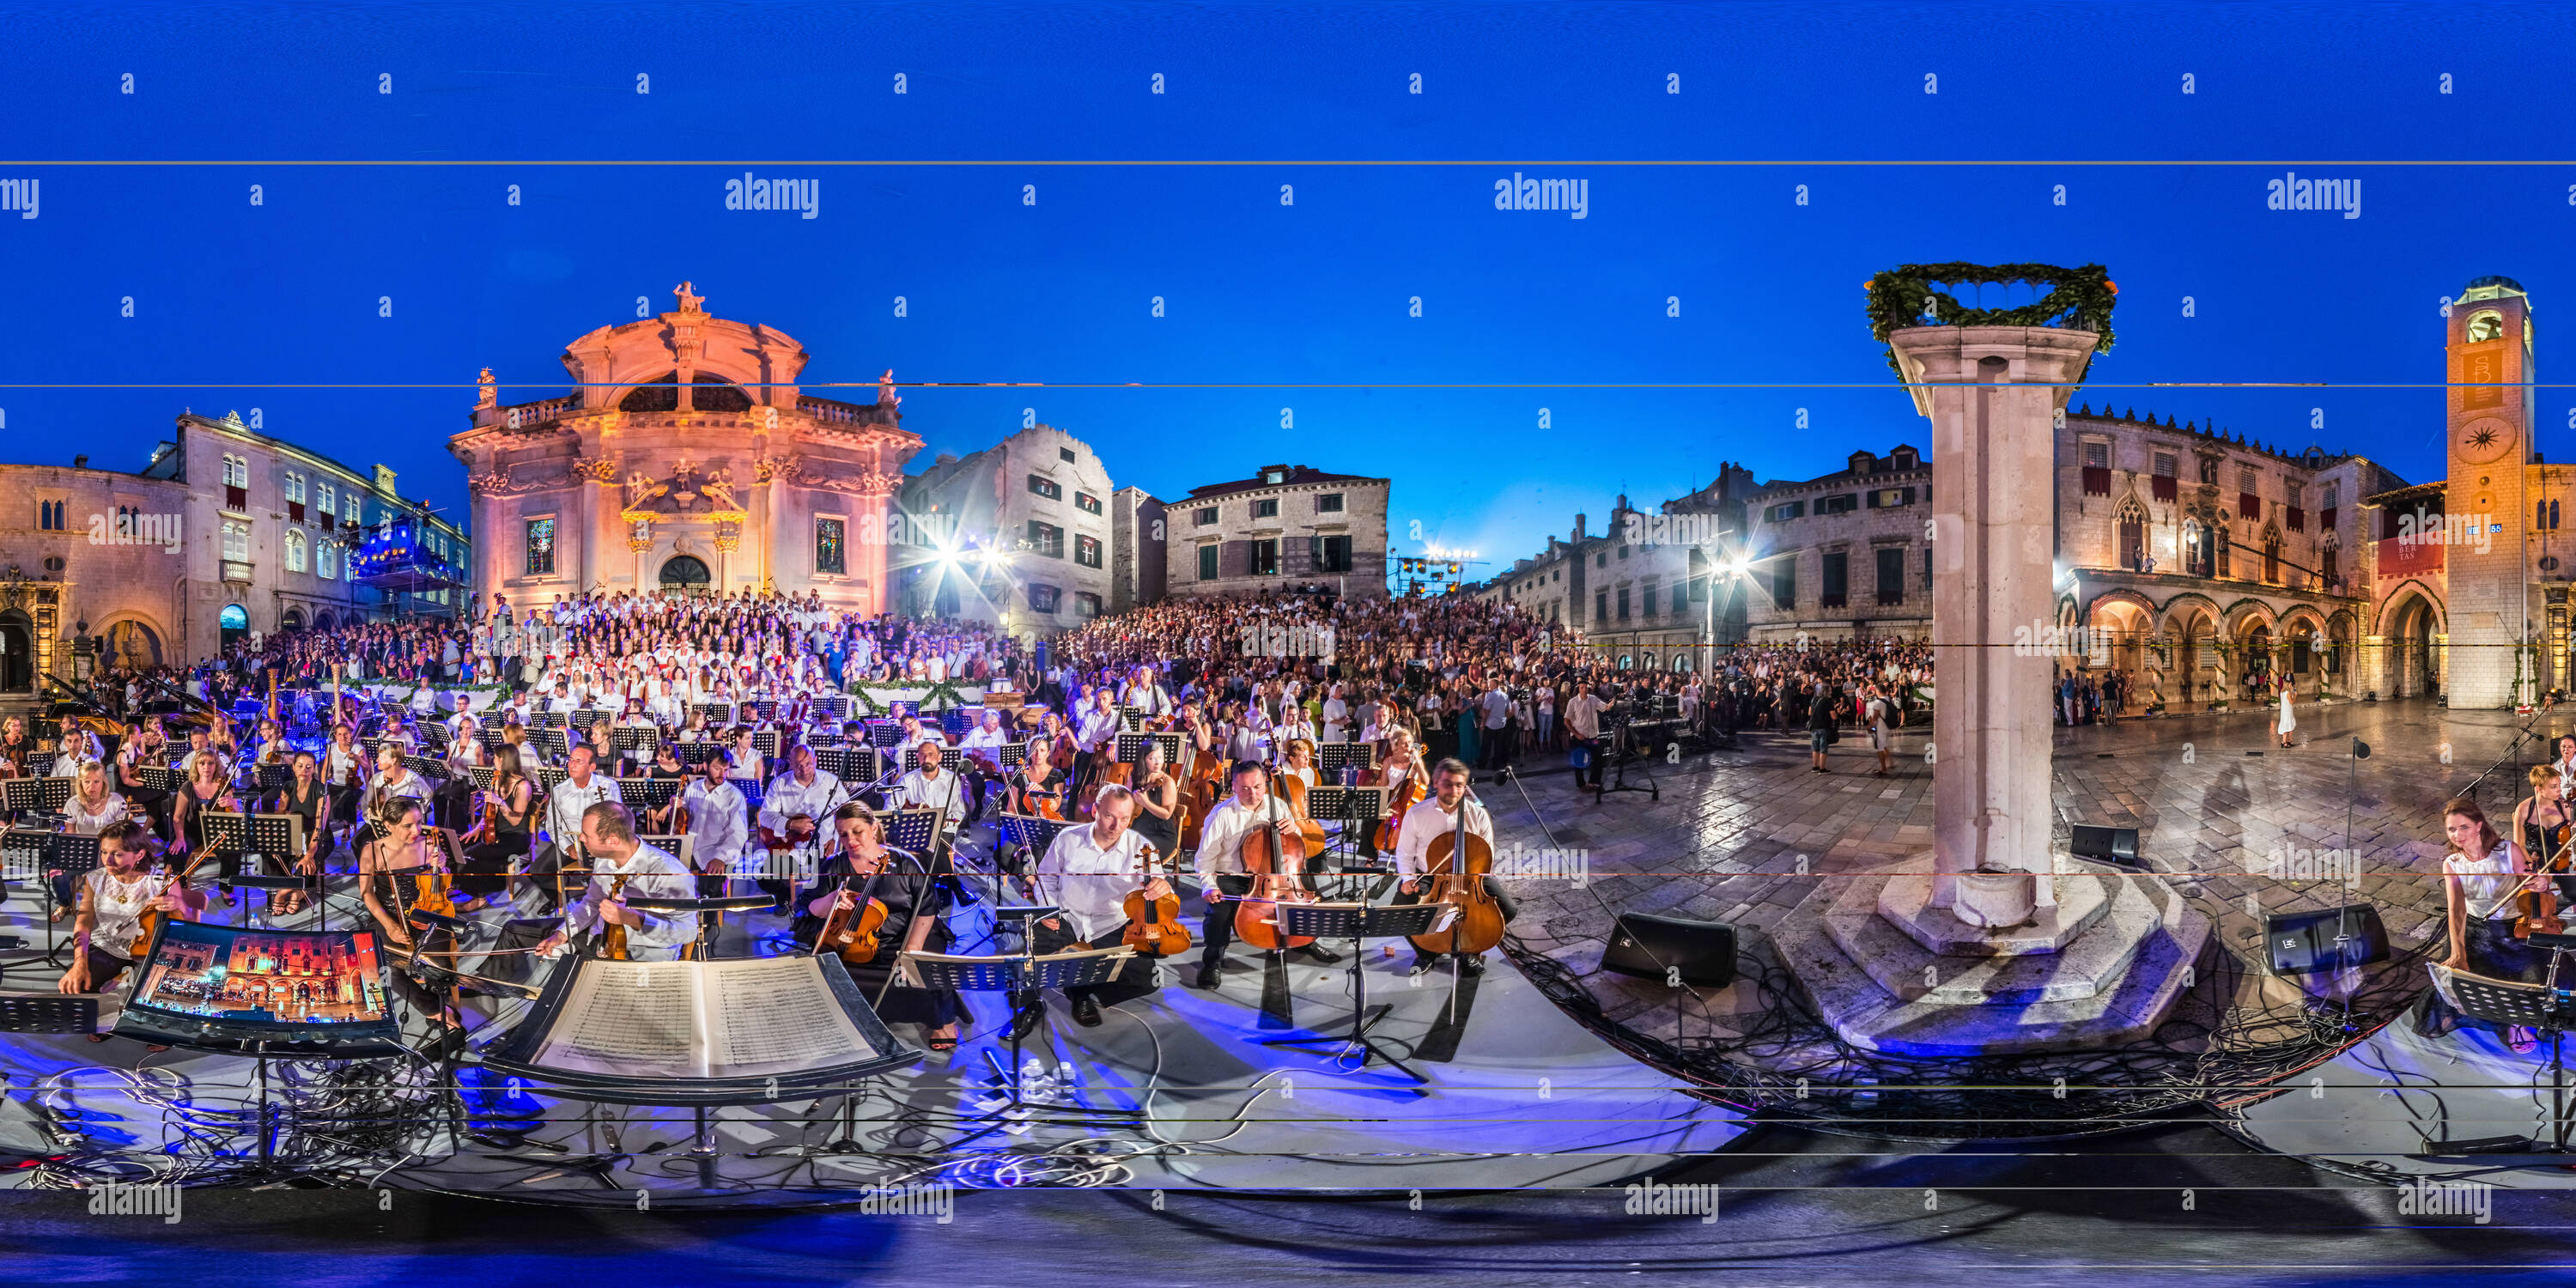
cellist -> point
(1433, 818)
(1222, 876)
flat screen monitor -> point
(248, 990)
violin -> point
(1413, 794)
(1456, 863)
(1275, 864)
(612, 937)
(149, 924)
(434, 885)
(1155, 929)
(800, 833)
(2540, 908)
(851, 933)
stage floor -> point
(1517, 1096)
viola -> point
(851, 933)
(1154, 928)
(434, 886)
(612, 938)
(1456, 863)
(1276, 864)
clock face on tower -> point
(2483, 440)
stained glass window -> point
(828, 555)
(541, 547)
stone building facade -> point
(1139, 562)
(686, 458)
(225, 531)
(1638, 592)
(1843, 555)
(1287, 525)
(1028, 520)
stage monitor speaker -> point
(2109, 844)
(2299, 943)
(1651, 947)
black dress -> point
(487, 865)
(902, 892)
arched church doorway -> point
(685, 572)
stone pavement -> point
(2240, 827)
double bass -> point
(1276, 865)
(1456, 863)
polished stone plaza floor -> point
(2240, 827)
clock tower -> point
(2492, 601)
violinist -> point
(1222, 877)
(623, 867)
(803, 793)
(565, 805)
(15, 747)
(390, 868)
(1088, 872)
(344, 765)
(2543, 820)
(308, 800)
(93, 808)
(906, 888)
(113, 898)
(501, 835)
(1400, 772)
(1036, 786)
(2481, 900)
(1158, 800)
(667, 820)
(209, 787)
(1435, 817)
(981, 760)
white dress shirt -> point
(1427, 820)
(652, 874)
(720, 821)
(1221, 835)
(1098, 729)
(946, 792)
(787, 798)
(565, 803)
(1090, 883)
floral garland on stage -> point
(935, 697)
(1901, 297)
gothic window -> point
(2133, 536)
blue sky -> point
(1268, 306)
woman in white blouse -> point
(2480, 902)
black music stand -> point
(580, 717)
(1015, 974)
(2548, 1009)
(1332, 757)
(550, 743)
(1357, 922)
(640, 794)
(915, 828)
(630, 739)
(694, 754)
(884, 733)
(717, 713)
(26, 795)
(765, 741)
(75, 856)
(1030, 833)
(276, 778)
(1357, 809)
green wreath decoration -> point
(2078, 298)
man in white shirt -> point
(802, 792)
(1437, 816)
(1222, 877)
(608, 836)
(1583, 724)
(718, 819)
(1088, 873)
(1098, 730)
(565, 805)
(932, 786)
(982, 759)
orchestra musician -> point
(1437, 815)
(394, 781)
(790, 807)
(15, 748)
(1222, 876)
(566, 804)
(501, 835)
(913, 893)
(932, 786)
(1092, 739)
(113, 898)
(93, 808)
(389, 867)
(209, 787)
(607, 835)
(2481, 902)
(1088, 872)
(2539, 819)
(1158, 800)
(719, 819)
(665, 821)
(307, 798)
(981, 761)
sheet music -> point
(632, 1019)
(774, 1015)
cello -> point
(1275, 881)
(1456, 863)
